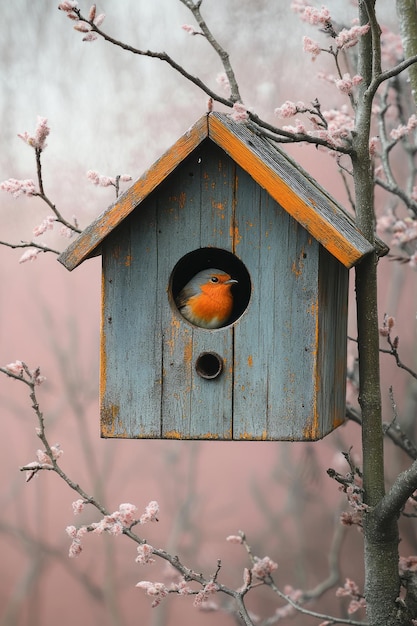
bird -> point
(207, 299)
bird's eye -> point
(214, 279)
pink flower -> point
(37, 141)
(157, 591)
(78, 506)
(145, 552)
(298, 128)
(350, 37)
(234, 539)
(240, 113)
(223, 81)
(15, 368)
(312, 47)
(90, 37)
(204, 594)
(310, 14)
(47, 224)
(151, 513)
(18, 187)
(181, 588)
(346, 83)
(68, 5)
(407, 564)
(289, 109)
(64, 231)
(127, 513)
(190, 29)
(263, 567)
(31, 254)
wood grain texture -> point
(292, 188)
(285, 181)
(284, 359)
(91, 238)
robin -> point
(207, 299)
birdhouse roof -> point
(285, 181)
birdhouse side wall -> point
(332, 346)
(276, 339)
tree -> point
(373, 94)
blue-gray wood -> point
(284, 359)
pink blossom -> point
(43, 457)
(373, 145)
(350, 37)
(99, 19)
(32, 470)
(68, 5)
(98, 179)
(127, 513)
(125, 178)
(82, 27)
(108, 524)
(234, 539)
(407, 564)
(31, 254)
(64, 231)
(346, 83)
(263, 567)
(37, 378)
(289, 109)
(151, 513)
(157, 591)
(350, 588)
(190, 29)
(312, 47)
(204, 594)
(298, 128)
(181, 588)
(46, 224)
(223, 81)
(76, 536)
(78, 506)
(18, 187)
(145, 552)
(15, 368)
(90, 37)
(402, 130)
(310, 14)
(92, 12)
(37, 140)
(240, 112)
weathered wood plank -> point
(292, 188)
(193, 407)
(275, 339)
(131, 358)
(98, 230)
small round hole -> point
(209, 365)
(204, 258)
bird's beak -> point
(230, 281)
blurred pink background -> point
(114, 113)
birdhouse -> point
(224, 198)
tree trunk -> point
(382, 582)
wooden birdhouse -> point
(223, 197)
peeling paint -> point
(182, 199)
(250, 361)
